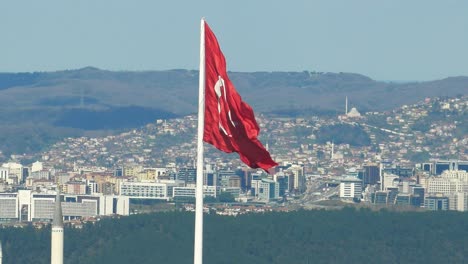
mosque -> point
(351, 114)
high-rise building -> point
(224, 177)
(392, 194)
(371, 174)
(118, 172)
(91, 187)
(4, 174)
(234, 181)
(210, 178)
(458, 201)
(389, 180)
(298, 177)
(283, 182)
(267, 190)
(418, 196)
(189, 175)
(351, 188)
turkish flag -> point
(230, 123)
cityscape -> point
(405, 164)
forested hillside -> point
(48, 106)
(342, 236)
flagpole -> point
(198, 244)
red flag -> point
(230, 123)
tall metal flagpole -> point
(198, 245)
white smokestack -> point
(56, 248)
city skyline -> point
(386, 41)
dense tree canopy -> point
(343, 134)
(341, 236)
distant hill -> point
(176, 91)
(94, 99)
(113, 118)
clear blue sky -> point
(385, 40)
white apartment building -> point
(389, 180)
(298, 177)
(455, 174)
(15, 172)
(26, 205)
(4, 174)
(37, 166)
(189, 191)
(453, 184)
(9, 206)
(458, 202)
(350, 188)
(446, 185)
(149, 190)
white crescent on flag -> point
(221, 94)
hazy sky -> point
(385, 40)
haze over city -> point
(385, 40)
(336, 134)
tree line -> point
(318, 236)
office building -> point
(400, 171)
(436, 203)
(439, 166)
(26, 205)
(189, 191)
(403, 199)
(188, 175)
(4, 172)
(418, 193)
(162, 190)
(381, 197)
(451, 181)
(8, 207)
(371, 174)
(265, 189)
(458, 201)
(234, 191)
(351, 188)
(298, 178)
(283, 181)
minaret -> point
(381, 173)
(346, 106)
(1, 253)
(382, 179)
(332, 150)
(56, 248)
